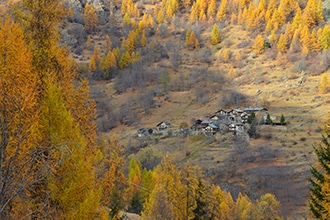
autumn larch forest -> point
(149, 109)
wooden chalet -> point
(205, 123)
(223, 112)
(215, 117)
(212, 128)
(244, 117)
(144, 132)
(163, 125)
(237, 112)
(197, 124)
(255, 109)
(236, 127)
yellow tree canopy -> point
(215, 35)
(90, 17)
(258, 46)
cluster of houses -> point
(161, 127)
(233, 120)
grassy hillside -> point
(174, 82)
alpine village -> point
(165, 109)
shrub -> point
(244, 44)
(146, 100)
(227, 42)
(149, 157)
(299, 66)
(163, 30)
(268, 136)
(78, 32)
(201, 95)
(230, 98)
(183, 124)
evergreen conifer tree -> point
(282, 120)
(320, 177)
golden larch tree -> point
(211, 8)
(188, 33)
(304, 50)
(84, 114)
(19, 130)
(324, 84)
(325, 37)
(70, 13)
(90, 17)
(237, 56)
(151, 22)
(313, 13)
(215, 35)
(286, 6)
(94, 61)
(221, 204)
(202, 16)
(221, 14)
(271, 6)
(240, 18)
(233, 18)
(71, 183)
(282, 44)
(134, 176)
(92, 66)
(273, 37)
(305, 38)
(113, 180)
(143, 23)
(314, 41)
(160, 17)
(61, 130)
(167, 199)
(186, 3)
(232, 73)
(127, 19)
(131, 41)
(192, 39)
(197, 44)
(289, 31)
(143, 39)
(125, 60)
(107, 43)
(258, 46)
(267, 207)
(89, 42)
(295, 44)
(297, 20)
(226, 53)
(277, 20)
(243, 207)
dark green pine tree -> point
(252, 131)
(269, 120)
(136, 205)
(251, 118)
(282, 120)
(320, 174)
(200, 210)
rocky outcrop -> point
(76, 6)
(326, 8)
(101, 7)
